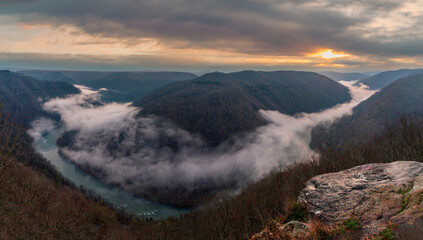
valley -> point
(402, 97)
(137, 162)
(148, 156)
(46, 145)
(211, 120)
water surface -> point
(46, 145)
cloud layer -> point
(141, 154)
(372, 32)
(281, 27)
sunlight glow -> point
(70, 42)
(328, 54)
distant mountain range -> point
(129, 87)
(121, 86)
(74, 77)
(383, 79)
(219, 105)
(22, 96)
(403, 96)
(338, 76)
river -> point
(46, 145)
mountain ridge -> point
(338, 76)
(403, 96)
(218, 105)
(383, 79)
(22, 96)
(121, 86)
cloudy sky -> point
(225, 35)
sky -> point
(222, 35)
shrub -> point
(352, 224)
(297, 212)
(387, 234)
(101, 215)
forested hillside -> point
(36, 202)
(130, 86)
(121, 86)
(219, 105)
(74, 77)
(383, 79)
(404, 96)
(338, 76)
(22, 96)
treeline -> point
(22, 96)
(17, 146)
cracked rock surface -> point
(372, 193)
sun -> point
(329, 53)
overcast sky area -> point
(224, 35)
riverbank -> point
(131, 204)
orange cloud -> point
(295, 61)
(71, 40)
(330, 65)
(329, 54)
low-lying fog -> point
(129, 150)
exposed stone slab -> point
(372, 193)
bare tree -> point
(9, 139)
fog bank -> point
(144, 153)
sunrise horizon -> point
(210, 36)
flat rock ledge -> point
(374, 194)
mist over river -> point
(46, 145)
(125, 150)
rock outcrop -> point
(374, 194)
(290, 230)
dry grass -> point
(32, 206)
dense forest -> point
(121, 86)
(400, 97)
(218, 105)
(383, 79)
(74, 77)
(340, 76)
(22, 96)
